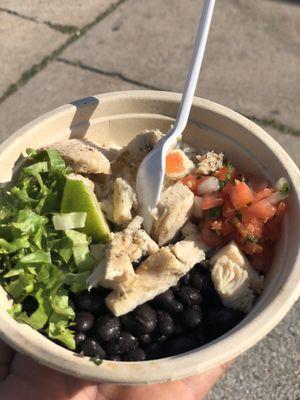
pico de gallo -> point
(241, 207)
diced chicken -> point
(234, 254)
(110, 150)
(178, 165)
(82, 156)
(108, 208)
(87, 182)
(123, 200)
(208, 163)
(155, 275)
(143, 143)
(129, 158)
(127, 246)
(232, 284)
(188, 251)
(174, 209)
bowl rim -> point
(243, 336)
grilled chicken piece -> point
(210, 162)
(189, 251)
(233, 253)
(123, 200)
(82, 156)
(174, 209)
(155, 275)
(232, 284)
(115, 271)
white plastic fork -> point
(151, 172)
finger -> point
(40, 382)
(201, 384)
(6, 356)
(192, 388)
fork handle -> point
(193, 73)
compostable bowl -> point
(118, 117)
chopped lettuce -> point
(39, 262)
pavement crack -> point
(34, 69)
(67, 29)
(113, 74)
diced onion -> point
(276, 198)
(66, 221)
(282, 185)
(210, 185)
(197, 209)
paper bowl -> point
(117, 117)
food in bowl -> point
(80, 268)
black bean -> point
(197, 307)
(189, 295)
(178, 328)
(112, 348)
(180, 344)
(125, 343)
(134, 355)
(164, 298)
(165, 324)
(79, 338)
(113, 357)
(197, 281)
(90, 301)
(174, 307)
(191, 318)
(83, 301)
(108, 328)
(223, 320)
(84, 322)
(91, 348)
(185, 280)
(154, 351)
(145, 339)
(30, 305)
(159, 338)
(202, 335)
(143, 319)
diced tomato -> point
(262, 210)
(211, 200)
(280, 212)
(262, 194)
(217, 226)
(222, 173)
(174, 163)
(228, 210)
(240, 194)
(227, 227)
(210, 237)
(191, 182)
(226, 173)
(227, 188)
(251, 248)
(252, 229)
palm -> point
(23, 379)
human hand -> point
(23, 379)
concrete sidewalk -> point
(53, 52)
